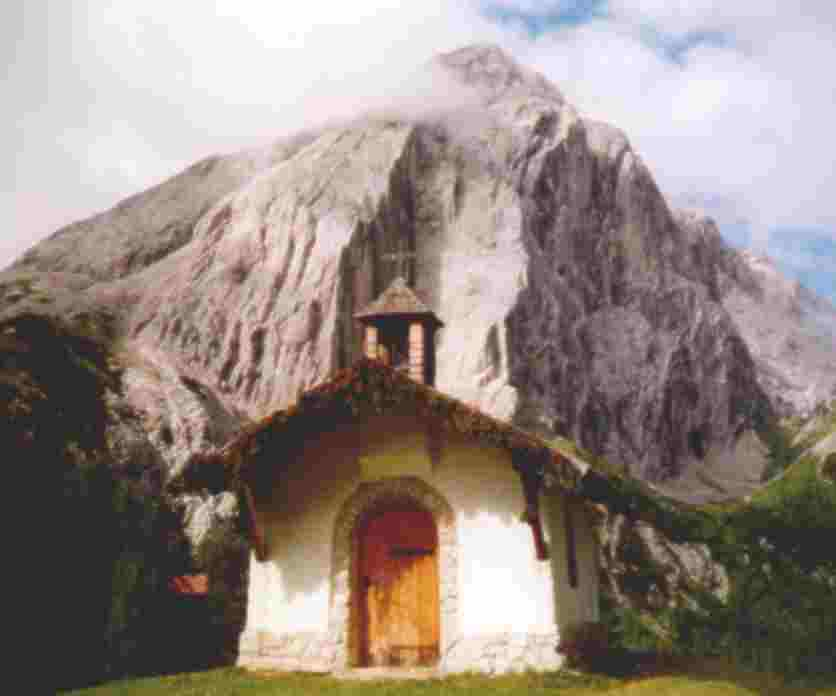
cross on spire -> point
(400, 258)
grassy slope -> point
(803, 464)
(711, 680)
(821, 426)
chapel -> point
(395, 526)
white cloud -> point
(682, 17)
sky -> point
(732, 104)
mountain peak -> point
(493, 72)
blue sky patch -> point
(538, 23)
(739, 235)
(675, 48)
(807, 255)
(562, 15)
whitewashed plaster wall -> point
(580, 603)
(503, 588)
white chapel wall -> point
(299, 529)
(503, 588)
(573, 604)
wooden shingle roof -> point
(397, 299)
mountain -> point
(576, 302)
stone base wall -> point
(304, 652)
(504, 652)
(491, 654)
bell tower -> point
(400, 332)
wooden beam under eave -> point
(434, 434)
(257, 537)
(571, 551)
(532, 485)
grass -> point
(804, 470)
(823, 424)
(708, 679)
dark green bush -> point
(120, 546)
(828, 469)
(586, 646)
(780, 613)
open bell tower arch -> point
(399, 330)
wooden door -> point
(399, 589)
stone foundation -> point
(303, 652)
(491, 654)
(504, 652)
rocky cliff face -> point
(790, 332)
(575, 302)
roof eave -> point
(368, 317)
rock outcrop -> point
(643, 569)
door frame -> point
(344, 618)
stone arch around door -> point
(344, 572)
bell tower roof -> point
(400, 331)
(397, 299)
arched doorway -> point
(398, 586)
(407, 492)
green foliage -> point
(783, 597)
(120, 547)
(790, 439)
(828, 467)
(780, 614)
(586, 646)
(572, 449)
(117, 541)
(224, 554)
(781, 450)
(697, 628)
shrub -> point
(586, 646)
(829, 467)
